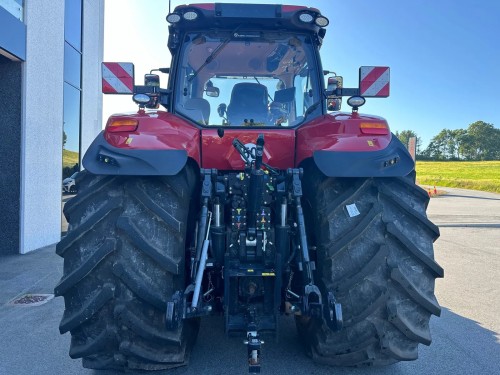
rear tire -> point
(378, 263)
(124, 257)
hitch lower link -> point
(179, 308)
(311, 303)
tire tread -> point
(364, 260)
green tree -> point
(439, 147)
(483, 141)
(445, 145)
(461, 139)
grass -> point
(70, 158)
(475, 175)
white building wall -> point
(42, 119)
(42, 122)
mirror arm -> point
(162, 70)
(342, 92)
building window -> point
(72, 86)
(71, 134)
(14, 7)
(72, 65)
(72, 97)
(73, 23)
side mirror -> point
(154, 103)
(152, 80)
(334, 83)
(117, 78)
(213, 92)
(221, 109)
(374, 81)
(333, 103)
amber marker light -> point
(122, 125)
(374, 128)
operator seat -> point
(198, 109)
(248, 102)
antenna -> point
(169, 1)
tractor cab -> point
(240, 65)
(247, 65)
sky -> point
(444, 55)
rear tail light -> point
(374, 128)
(122, 125)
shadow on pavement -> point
(448, 195)
(469, 225)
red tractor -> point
(246, 198)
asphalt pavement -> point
(466, 338)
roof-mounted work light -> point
(321, 21)
(190, 15)
(173, 18)
(306, 17)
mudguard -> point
(104, 159)
(392, 161)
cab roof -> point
(263, 16)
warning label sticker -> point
(352, 210)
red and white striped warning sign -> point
(117, 78)
(374, 81)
